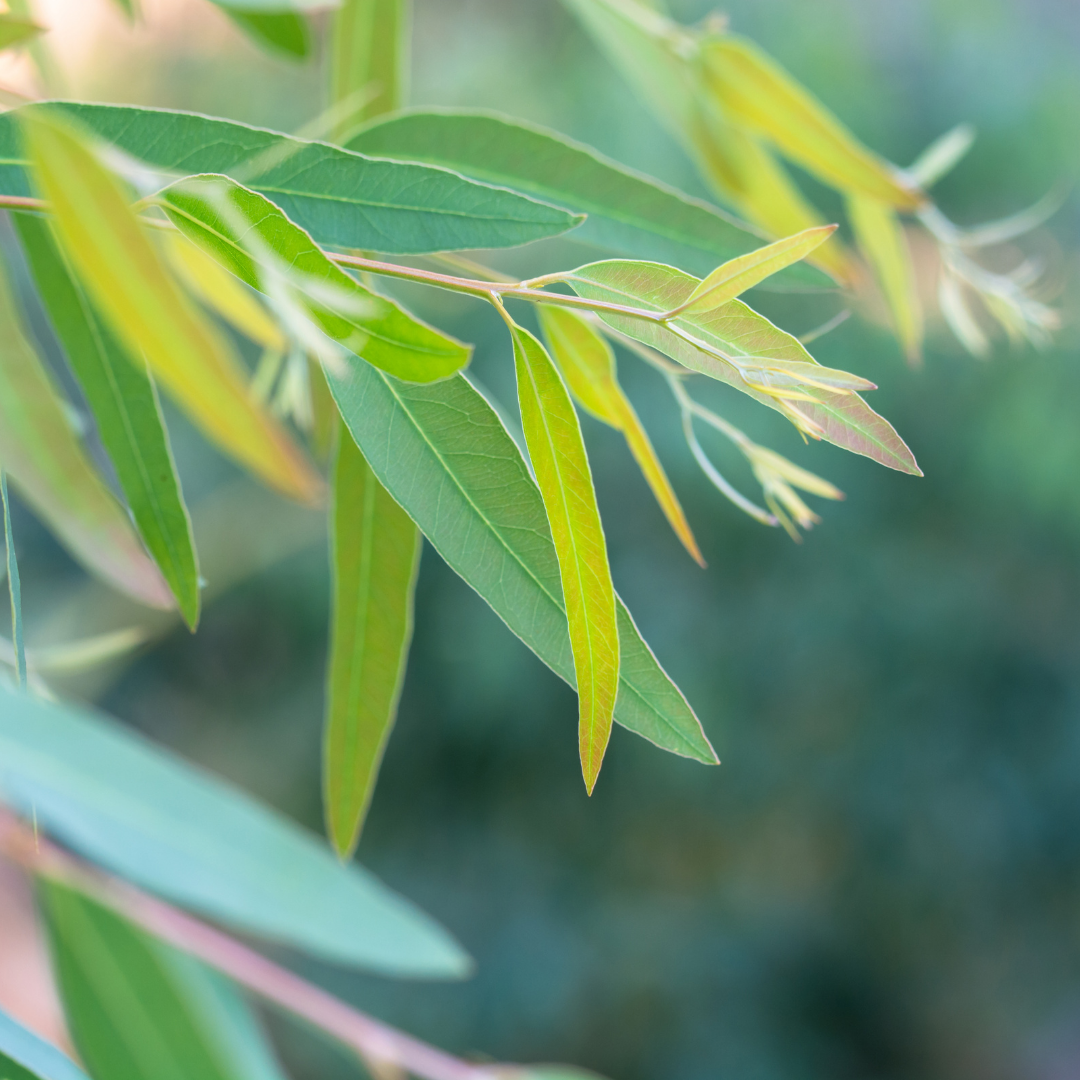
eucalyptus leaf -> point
(25, 1056)
(444, 455)
(145, 814)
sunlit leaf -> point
(126, 409)
(123, 274)
(343, 199)
(74, 657)
(755, 91)
(25, 1056)
(369, 46)
(281, 32)
(138, 1009)
(444, 455)
(47, 463)
(750, 343)
(882, 240)
(14, 586)
(14, 30)
(588, 365)
(557, 451)
(151, 817)
(942, 155)
(375, 553)
(628, 212)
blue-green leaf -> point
(23, 1056)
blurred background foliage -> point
(883, 878)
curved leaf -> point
(30, 1057)
(281, 32)
(149, 816)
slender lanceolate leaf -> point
(557, 450)
(147, 815)
(628, 212)
(14, 586)
(250, 236)
(445, 456)
(124, 276)
(588, 365)
(375, 553)
(369, 69)
(129, 7)
(882, 240)
(25, 1056)
(343, 199)
(128, 414)
(46, 461)
(282, 32)
(14, 30)
(738, 346)
(139, 1010)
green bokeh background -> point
(882, 880)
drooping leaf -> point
(561, 466)
(14, 587)
(14, 30)
(139, 1010)
(123, 274)
(343, 199)
(588, 365)
(25, 1056)
(152, 818)
(882, 240)
(280, 32)
(375, 554)
(369, 42)
(46, 461)
(252, 238)
(445, 456)
(754, 348)
(220, 291)
(628, 212)
(125, 406)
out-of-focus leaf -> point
(221, 292)
(46, 461)
(282, 32)
(561, 465)
(959, 316)
(125, 406)
(14, 31)
(18, 646)
(755, 348)
(137, 1009)
(166, 825)
(882, 240)
(369, 43)
(24, 1056)
(755, 91)
(628, 212)
(276, 7)
(122, 272)
(254, 240)
(343, 199)
(77, 656)
(444, 455)
(324, 414)
(130, 8)
(942, 155)
(375, 553)
(588, 365)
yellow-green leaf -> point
(375, 553)
(52, 472)
(881, 238)
(553, 436)
(124, 275)
(755, 91)
(737, 275)
(14, 30)
(588, 365)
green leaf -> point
(14, 587)
(369, 66)
(628, 212)
(374, 556)
(147, 815)
(762, 360)
(274, 6)
(124, 276)
(24, 1056)
(588, 365)
(343, 199)
(45, 459)
(130, 8)
(136, 1008)
(561, 465)
(942, 155)
(444, 455)
(282, 32)
(254, 240)
(125, 406)
(14, 30)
